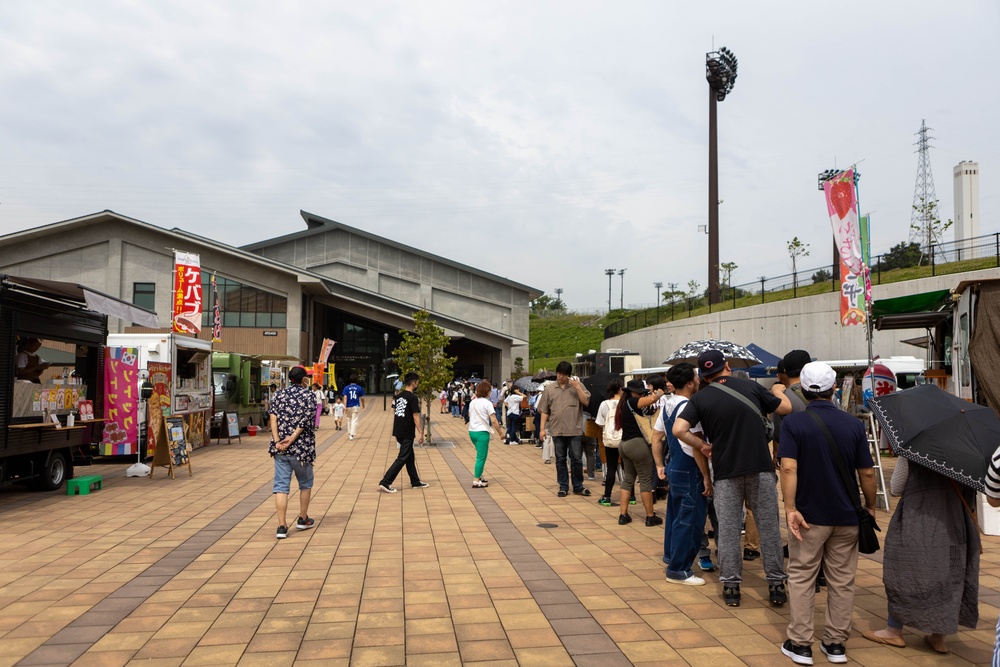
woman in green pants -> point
(482, 420)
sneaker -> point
(385, 488)
(624, 519)
(350, 437)
(834, 652)
(561, 494)
(800, 655)
(777, 594)
(591, 478)
(706, 564)
(631, 501)
(282, 532)
(420, 485)
(690, 581)
(654, 520)
(604, 501)
(582, 492)
(750, 554)
(538, 446)
(304, 524)
(731, 595)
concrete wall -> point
(809, 323)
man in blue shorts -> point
(293, 446)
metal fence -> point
(940, 258)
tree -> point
(519, 367)
(796, 249)
(928, 226)
(693, 287)
(821, 276)
(901, 256)
(547, 305)
(422, 352)
(727, 269)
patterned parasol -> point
(737, 355)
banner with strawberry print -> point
(842, 206)
(187, 293)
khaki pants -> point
(752, 535)
(352, 420)
(836, 548)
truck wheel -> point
(53, 473)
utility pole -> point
(621, 302)
(559, 291)
(673, 297)
(609, 273)
(659, 294)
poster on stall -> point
(187, 293)
(121, 404)
(159, 401)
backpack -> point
(612, 436)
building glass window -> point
(144, 295)
(241, 305)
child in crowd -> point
(338, 412)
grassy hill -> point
(561, 337)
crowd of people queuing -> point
(718, 445)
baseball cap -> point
(794, 361)
(711, 362)
(298, 372)
(817, 376)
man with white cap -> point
(821, 512)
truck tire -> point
(54, 472)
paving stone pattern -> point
(188, 571)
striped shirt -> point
(993, 476)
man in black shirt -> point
(732, 415)
(405, 428)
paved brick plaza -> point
(188, 572)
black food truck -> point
(52, 338)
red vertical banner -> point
(318, 374)
(187, 293)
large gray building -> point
(282, 296)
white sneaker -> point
(690, 581)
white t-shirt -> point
(480, 411)
(668, 409)
(338, 409)
(606, 410)
(513, 403)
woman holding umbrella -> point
(932, 547)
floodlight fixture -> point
(720, 70)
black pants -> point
(405, 458)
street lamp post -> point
(385, 368)
(621, 302)
(609, 273)
(659, 287)
(720, 71)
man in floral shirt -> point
(293, 446)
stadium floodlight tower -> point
(720, 70)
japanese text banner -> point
(187, 293)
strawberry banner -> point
(842, 206)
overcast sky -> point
(540, 141)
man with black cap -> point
(821, 512)
(732, 415)
(293, 446)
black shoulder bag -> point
(867, 539)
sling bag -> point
(768, 424)
(867, 539)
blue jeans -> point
(456, 410)
(685, 521)
(512, 423)
(573, 444)
(284, 466)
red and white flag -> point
(187, 293)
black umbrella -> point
(737, 355)
(940, 431)
(543, 375)
(526, 384)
